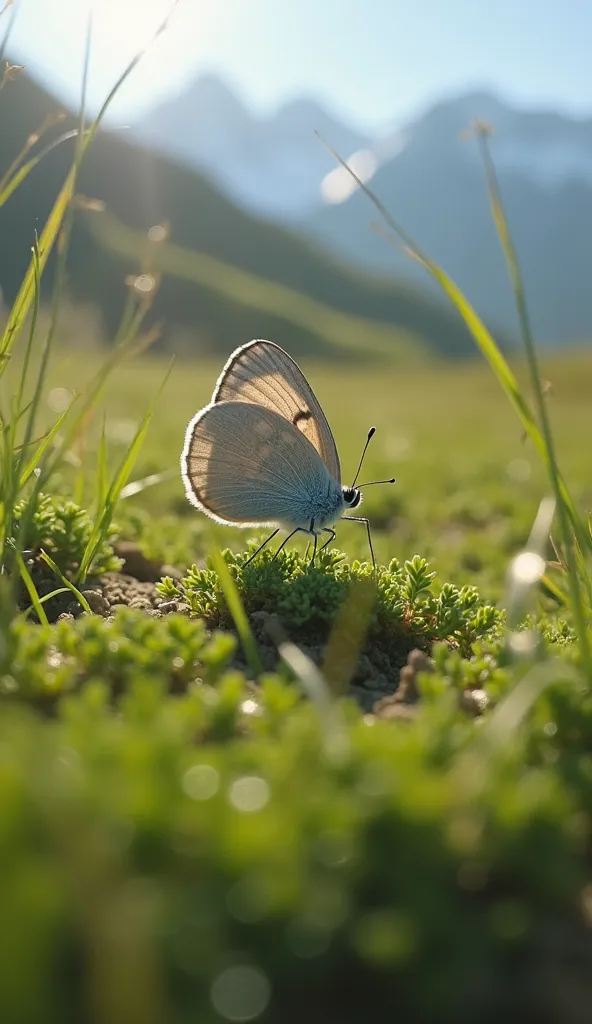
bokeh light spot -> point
(201, 782)
(528, 568)
(241, 993)
(249, 794)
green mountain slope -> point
(293, 290)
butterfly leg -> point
(356, 519)
(331, 538)
(289, 537)
(314, 550)
(261, 546)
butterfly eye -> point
(351, 496)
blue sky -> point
(373, 62)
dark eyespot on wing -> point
(261, 373)
(301, 419)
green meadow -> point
(468, 483)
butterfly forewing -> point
(246, 464)
(262, 374)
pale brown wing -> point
(261, 373)
(247, 465)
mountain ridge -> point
(278, 154)
(141, 188)
(433, 182)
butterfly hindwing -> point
(247, 465)
(262, 374)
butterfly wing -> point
(246, 465)
(261, 373)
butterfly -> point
(262, 452)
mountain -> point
(435, 186)
(271, 165)
(431, 179)
(228, 277)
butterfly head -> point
(352, 496)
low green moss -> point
(407, 603)
(49, 661)
(63, 529)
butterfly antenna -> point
(371, 434)
(370, 483)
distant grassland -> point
(468, 485)
(332, 329)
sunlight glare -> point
(127, 25)
(338, 185)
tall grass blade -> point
(137, 486)
(314, 684)
(483, 338)
(32, 330)
(27, 291)
(66, 582)
(102, 484)
(105, 518)
(237, 612)
(42, 449)
(7, 7)
(31, 589)
(347, 636)
(46, 597)
(11, 182)
(565, 511)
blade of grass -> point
(56, 231)
(335, 736)
(506, 378)
(34, 404)
(554, 590)
(137, 486)
(347, 636)
(32, 329)
(66, 582)
(237, 611)
(472, 769)
(31, 141)
(102, 484)
(43, 600)
(24, 299)
(482, 336)
(15, 176)
(105, 518)
(14, 458)
(63, 202)
(42, 448)
(66, 225)
(31, 589)
(7, 6)
(563, 512)
(90, 396)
